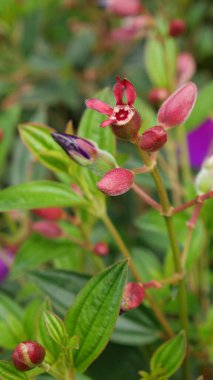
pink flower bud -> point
(1, 134)
(123, 7)
(153, 139)
(177, 27)
(101, 248)
(158, 95)
(177, 108)
(116, 182)
(47, 228)
(186, 67)
(28, 355)
(49, 213)
(133, 295)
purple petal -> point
(200, 143)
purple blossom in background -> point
(6, 258)
(200, 143)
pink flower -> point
(123, 7)
(122, 113)
(177, 108)
(47, 228)
(132, 27)
(116, 182)
(53, 213)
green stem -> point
(167, 214)
(125, 252)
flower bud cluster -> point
(28, 355)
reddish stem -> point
(198, 200)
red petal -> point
(98, 105)
(130, 92)
(105, 123)
(118, 90)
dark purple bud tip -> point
(81, 150)
(153, 139)
(28, 355)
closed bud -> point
(101, 248)
(177, 108)
(186, 67)
(28, 355)
(116, 182)
(47, 228)
(53, 213)
(158, 95)
(153, 139)
(133, 295)
(82, 151)
(177, 27)
(86, 153)
(204, 179)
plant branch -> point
(150, 201)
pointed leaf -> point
(37, 195)
(9, 372)
(170, 355)
(39, 141)
(55, 327)
(94, 312)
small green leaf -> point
(55, 327)
(52, 348)
(37, 195)
(39, 141)
(90, 124)
(73, 343)
(9, 372)
(170, 355)
(155, 62)
(94, 312)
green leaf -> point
(60, 286)
(55, 327)
(37, 195)
(136, 328)
(94, 313)
(39, 141)
(203, 107)
(52, 348)
(11, 327)
(155, 62)
(8, 121)
(170, 355)
(9, 372)
(37, 250)
(90, 124)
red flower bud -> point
(177, 108)
(49, 213)
(28, 355)
(101, 249)
(177, 27)
(158, 95)
(153, 139)
(116, 182)
(1, 134)
(47, 228)
(133, 295)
